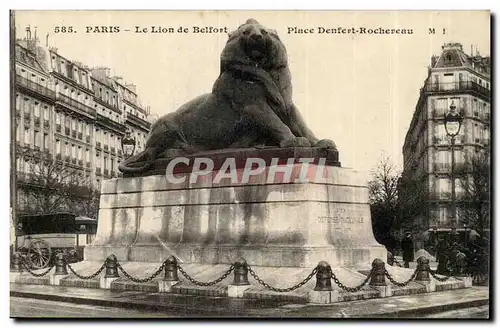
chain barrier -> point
(352, 289)
(397, 263)
(95, 274)
(37, 274)
(205, 284)
(401, 284)
(434, 274)
(148, 279)
(281, 290)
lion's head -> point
(253, 44)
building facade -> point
(458, 80)
(71, 115)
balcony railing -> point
(106, 172)
(98, 170)
(456, 86)
(444, 195)
(80, 135)
(76, 104)
(87, 138)
(98, 145)
(106, 147)
(119, 152)
(87, 164)
(73, 160)
(37, 121)
(58, 156)
(113, 150)
(442, 167)
(138, 121)
(46, 124)
(67, 131)
(73, 134)
(27, 116)
(34, 86)
(67, 158)
(58, 127)
(80, 162)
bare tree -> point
(383, 193)
(49, 186)
(474, 180)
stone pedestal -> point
(276, 221)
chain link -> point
(90, 276)
(148, 279)
(397, 263)
(352, 289)
(210, 283)
(281, 290)
(434, 274)
(401, 284)
(34, 273)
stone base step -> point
(276, 277)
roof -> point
(454, 56)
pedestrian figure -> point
(407, 248)
(442, 256)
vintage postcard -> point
(250, 164)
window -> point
(45, 141)
(443, 215)
(37, 109)
(58, 118)
(58, 146)
(79, 153)
(67, 149)
(97, 161)
(73, 125)
(112, 164)
(37, 139)
(27, 134)
(80, 127)
(73, 151)
(87, 155)
(27, 106)
(46, 113)
(447, 57)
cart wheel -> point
(39, 254)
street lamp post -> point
(453, 123)
(128, 145)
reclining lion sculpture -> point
(250, 106)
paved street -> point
(32, 308)
(480, 312)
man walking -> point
(407, 248)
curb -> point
(428, 309)
(197, 311)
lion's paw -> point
(295, 142)
(326, 144)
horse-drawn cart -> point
(40, 237)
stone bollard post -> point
(240, 281)
(323, 277)
(61, 270)
(423, 269)
(60, 263)
(240, 273)
(171, 277)
(17, 265)
(323, 292)
(377, 280)
(111, 272)
(423, 274)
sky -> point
(360, 90)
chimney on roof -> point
(131, 86)
(100, 72)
